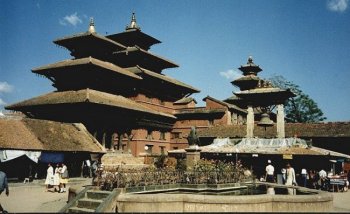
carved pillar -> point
(250, 122)
(280, 121)
(110, 140)
(103, 140)
(120, 142)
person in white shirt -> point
(270, 172)
(49, 177)
(304, 177)
(323, 175)
(64, 177)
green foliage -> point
(181, 164)
(301, 108)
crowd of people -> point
(306, 178)
(56, 178)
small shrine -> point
(258, 95)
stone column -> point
(250, 122)
(193, 155)
(280, 121)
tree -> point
(301, 108)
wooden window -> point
(175, 135)
(149, 135)
(162, 136)
(162, 149)
(211, 122)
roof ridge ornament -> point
(92, 26)
(250, 60)
(133, 24)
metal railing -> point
(108, 180)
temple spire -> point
(250, 68)
(92, 26)
(133, 24)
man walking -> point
(269, 172)
(3, 186)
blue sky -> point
(307, 42)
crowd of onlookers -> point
(308, 178)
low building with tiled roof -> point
(302, 130)
(23, 137)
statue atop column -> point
(192, 138)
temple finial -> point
(133, 24)
(92, 26)
(250, 60)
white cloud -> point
(5, 87)
(231, 74)
(72, 19)
(337, 5)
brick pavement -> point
(32, 197)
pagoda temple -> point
(258, 96)
(113, 85)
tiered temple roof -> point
(249, 79)
(113, 85)
(255, 91)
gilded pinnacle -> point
(133, 24)
(92, 26)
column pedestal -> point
(193, 155)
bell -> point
(265, 120)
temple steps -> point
(90, 202)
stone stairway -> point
(89, 203)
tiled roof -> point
(228, 105)
(146, 55)
(86, 96)
(303, 130)
(138, 70)
(132, 37)
(246, 78)
(44, 135)
(185, 100)
(71, 41)
(71, 66)
(199, 110)
(293, 146)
